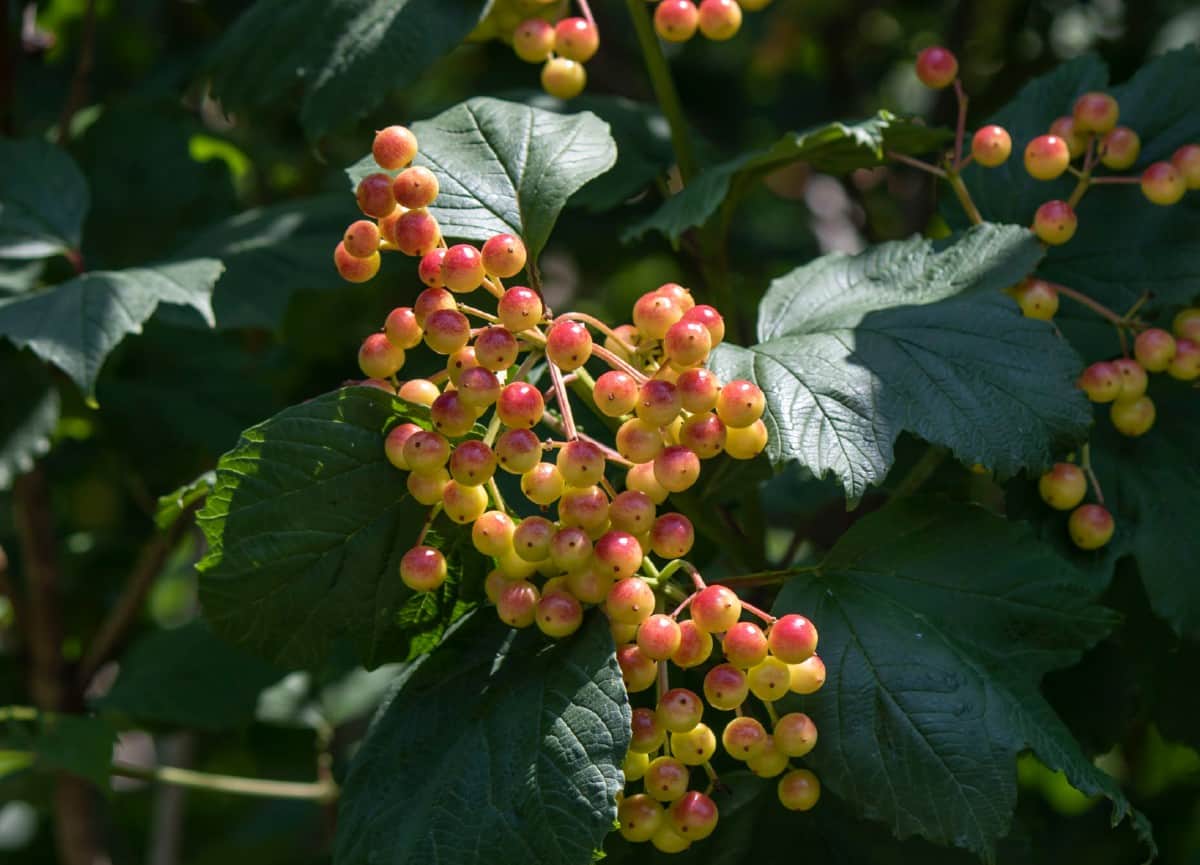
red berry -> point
(415, 187)
(676, 20)
(1119, 148)
(937, 67)
(402, 329)
(492, 533)
(429, 300)
(991, 146)
(503, 255)
(1187, 162)
(568, 344)
(659, 403)
(581, 463)
(679, 710)
(677, 468)
(694, 816)
(459, 362)
(531, 538)
(720, 19)
(393, 445)
(1064, 128)
(716, 609)
(672, 536)
(362, 238)
(1090, 527)
(616, 393)
(695, 646)
(666, 779)
(653, 314)
(533, 40)
(378, 357)
(725, 687)
(430, 268)
(618, 554)
(792, 639)
(354, 269)
(687, 344)
(1047, 157)
(698, 390)
(558, 614)
(426, 451)
(1055, 223)
(744, 644)
(518, 451)
(648, 732)
(394, 147)
(795, 734)
(462, 268)
(1154, 349)
(710, 318)
(1063, 487)
(680, 295)
(520, 405)
(423, 569)
(496, 348)
(1162, 184)
(1101, 382)
(704, 434)
(639, 442)
(1095, 112)
(563, 78)
(374, 194)
(416, 232)
(658, 636)
(630, 602)
(744, 738)
(740, 403)
(632, 511)
(799, 790)
(472, 463)
(1133, 417)
(576, 39)
(520, 308)
(451, 416)
(447, 330)
(517, 605)
(570, 548)
(638, 671)
(478, 387)
(586, 507)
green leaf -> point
(188, 677)
(28, 413)
(77, 744)
(306, 527)
(74, 325)
(43, 199)
(937, 622)
(506, 167)
(911, 337)
(343, 56)
(835, 148)
(498, 747)
(173, 504)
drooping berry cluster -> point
(718, 20)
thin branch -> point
(918, 164)
(755, 611)
(564, 405)
(1094, 305)
(616, 363)
(961, 127)
(964, 198)
(8, 590)
(1114, 178)
(1086, 460)
(587, 12)
(319, 791)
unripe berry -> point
(427, 487)
(1154, 349)
(632, 511)
(503, 255)
(618, 554)
(1133, 378)
(648, 733)
(712, 320)
(672, 536)
(677, 468)
(937, 67)
(744, 738)
(1132, 417)
(1101, 382)
(1119, 148)
(394, 147)
(451, 416)
(378, 357)
(533, 40)
(638, 671)
(658, 403)
(704, 434)
(459, 362)
(463, 504)
(393, 445)
(698, 390)
(716, 609)
(687, 344)
(494, 583)
(720, 19)
(576, 39)
(1162, 184)
(679, 710)
(496, 348)
(653, 314)
(361, 239)
(492, 533)
(744, 644)
(415, 187)
(667, 840)
(1063, 487)
(353, 269)
(769, 679)
(402, 329)
(795, 734)
(472, 463)
(416, 232)
(622, 337)
(423, 569)
(799, 790)
(542, 484)
(478, 388)
(426, 452)
(568, 344)
(991, 146)
(1064, 128)
(634, 767)
(676, 20)
(462, 268)
(558, 614)
(746, 443)
(640, 817)
(571, 548)
(659, 637)
(695, 747)
(531, 538)
(378, 384)
(1055, 223)
(518, 451)
(1037, 298)
(517, 604)
(447, 330)
(1047, 157)
(429, 301)
(641, 478)
(807, 677)
(792, 639)
(740, 403)
(581, 463)
(515, 567)
(616, 393)
(1186, 161)
(563, 78)
(1095, 112)
(666, 779)
(1090, 527)
(695, 646)
(725, 687)
(1186, 365)
(770, 763)
(374, 195)
(586, 507)
(639, 442)
(694, 816)
(589, 584)
(1186, 324)
(520, 405)
(630, 602)
(520, 308)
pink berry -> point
(362, 238)
(478, 387)
(618, 554)
(496, 348)
(568, 344)
(698, 390)
(518, 451)
(581, 463)
(1154, 349)
(1187, 162)
(716, 609)
(679, 710)
(451, 416)
(672, 536)
(1186, 365)
(393, 445)
(1090, 527)
(704, 434)
(503, 256)
(402, 329)
(687, 344)
(517, 605)
(991, 146)
(1101, 382)
(459, 362)
(799, 790)
(1047, 157)
(632, 511)
(423, 569)
(725, 687)
(694, 816)
(695, 646)
(430, 268)
(520, 405)
(641, 478)
(416, 232)
(658, 636)
(1063, 487)
(1095, 112)
(740, 403)
(432, 299)
(630, 602)
(558, 614)
(676, 20)
(1162, 184)
(677, 468)
(472, 463)
(378, 357)
(744, 645)
(394, 147)
(586, 507)
(795, 734)
(520, 308)
(576, 39)
(570, 548)
(712, 320)
(639, 671)
(462, 268)
(426, 452)
(353, 269)
(720, 19)
(447, 330)
(937, 67)
(648, 734)
(616, 393)
(374, 194)
(1064, 128)
(792, 639)
(542, 484)
(415, 187)
(677, 293)
(1120, 147)
(653, 314)
(1133, 378)
(659, 403)
(533, 40)
(1055, 223)
(492, 533)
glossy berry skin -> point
(991, 146)
(517, 604)
(647, 733)
(658, 402)
(1055, 223)
(639, 817)
(672, 536)
(1063, 487)
(415, 187)
(1154, 349)
(1101, 382)
(423, 569)
(748, 442)
(361, 239)
(568, 344)
(616, 393)
(666, 779)
(571, 548)
(630, 602)
(586, 507)
(1119, 148)
(744, 738)
(744, 645)
(1186, 364)
(394, 147)
(677, 468)
(581, 463)
(653, 314)
(353, 269)
(563, 78)
(402, 329)
(634, 766)
(462, 268)
(792, 639)
(641, 478)
(695, 747)
(520, 308)
(1095, 112)
(427, 487)
(703, 434)
(496, 348)
(769, 679)
(619, 555)
(632, 511)
(518, 451)
(374, 195)
(531, 538)
(378, 357)
(676, 20)
(695, 646)
(520, 405)
(533, 40)
(808, 677)
(1037, 298)
(694, 816)
(447, 331)
(770, 763)
(1133, 378)
(679, 710)
(708, 316)
(503, 255)
(558, 614)
(459, 362)
(716, 609)
(451, 416)
(393, 445)
(1186, 161)
(681, 297)
(576, 39)
(687, 344)
(720, 19)
(1162, 184)
(638, 671)
(937, 67)
(463, 504)
(492, 533)
(472, 463)
(698, 390)
(542, 484)
(426, 451)
(416, 233)
(419, 391)
(740, 403)
(589, 584)
(795, 734)
(478, 387)
(639, 442)
(658, 636)
(430, 300)
(667, 840)
(1047, 157)
(1064, 128)
(725, 687)
(1133, 417)
(799, 790)
(1090, 527)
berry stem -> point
(918, 164)
(319, 791)
(964, 198)
(492, 284)
(494, 492)
(478, 313)
(587, 12)
(1114, 178)
(564, 405)
(433, 512)
(922, 470)
(1085, 176)
(493, 430)
(600, 326)
(769, 578)
(650, 568)
(961, 127)
(664, 683)
(1094, 305)
(755, 611)
(697, 580)
(771, 713)
(1085, 458)
(664, 88)
(684, 604)
(616, 363)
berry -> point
(748, 442)
(640, 817)
(709, 317)
(1133, 378)
(658, 636)
(568, 344)
(619, 555)
(1119, 148)
(542, 484)
(1101, 382)
(576, 39)
(517, 605)
(695, 646)
(416, 232)
(1187, 162)
(361, 239)
(1186, 365)
(704, 434)
(420, 391)
(379, 357)
(653, 314)
(354, 269)
(616, 393)
(1047, 157)
(740, 403)
(795, 734)
(619, 341)
(744, 738)
(679, 710)
(393, 445)
(518, 451)
(459, 362)
(533, 40)
(472, 463)
(1063, 487)
(1090, 527)
(563, 78)
(677, 468)
(394, 147)
(415, 187)
(520, 308)
(427, 487)
(1095, 112)
(1064, 128)
(666, 779)
(462, 268)
(648, 734)
(807, 677)
(634, 766)
(799, 790)
(695, 747)
(667, 840)
(447, 330)
(725, 687)
(531, 538)
(492, 533)
(374, 194)
(694, 816)
(463, 504)
(581, 463)
(1133, 417)
(991, 146)
(558, 614)
(1037, 298)
(687, 344)
(426, 451)
(402, 329)
(1162, 184)
(676, 20)
(451, 416)
(520, 405)
(429, 301)
(744, 645)
(586, 507)
(496, 348)
(632, 511)
(423, 569)
(769, 679)
(698, 390)
(672, 536)
(716, 609)
(658, 403)
(571, 548)
(478, 387)
(641, 478)
(503, 255)
(589, 584)
(792, 639)
(493, 584)
(639, 442)
(937, 67)
(630, 602)
(1154, 349)
(720, 19)
(515, 567)
(1186, 324)
(770, 763)
(1055, 223)
(639, 671)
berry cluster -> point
(539, 33)
(718, 20)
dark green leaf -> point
(173, 504)
(343, 56)
(498, 747)
(28, 413)
(306, 527)
(43, 199)
(834, 148)
(507, 167)
(855, 349)
(76, 324)
(937, 623)
(72, 743)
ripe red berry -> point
(576, 39)
(1063, 487)
(807, 677)
(1101, 382)
(520, 405)
(1095, 112)
(708, 316)
(416, 232)
(648, 732)
(799, 790)
(379, 357)
(415, 187)
(630, 602)
(687, 344)
(1047, 157)
(393, 445)
(586, 507)
(698, 390)
(1037, 298)
(1162, 184)
(533, 40)
(374, 195)
(558, 614)
(361, 239)
(568, 344)
(518, 451)
(496, 348)
(447, 330)
(676, 20)
(354, 269)
(472, 463)
(658, 636)
(744, 738)
(666, 779)
(1090, 527)
(677, 468)
(694, 816)
(792, 639)
(1119, 148)
(1055, 223)
(658, 403)
(402, 329)
(618, 554)
(478, 387)
(616, 393)
(503, 255)
(716, 609)
(937, 67)
(678, 294)
(638, 671)
(704, 434)
(1133, 378)
(542, 484)
(426, 451)
(720, 19)
(492, 533)
(695, 646)
(1133, 417)
(517, 605)
(429, 300)
(795, 734)
(679, 710)
(1154, 349)
(451, 416)
(423, 569)
(394, 147)
(632, 511)
(725, 687)
(571, 548)
(672, 536)
(740, 403)
(744, 645)
(520, 308)
(639, 818)
(654, 313)
(563, 78)
(991, 146)
(462, 268)
(1187, 162)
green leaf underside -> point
(43, 200)
(835, 148)
(506, 167)
(856, 349)
(76, 324)
(71, 743)
(28, 413)
(306, 527)
(937, 623)
(343, 56)
(500, 746)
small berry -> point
(619, 555)
(533, 40)
(1187, 162)
(740, 403)
(695, 646)
(492, 533)
(991, 146)
(621, 339)
(1037, 298)
(632, 511)
(379, 357)
(1133, 378)
(493, 584)
(672, 536)
(361, 239)
(393, 445)
(708, 316)
(1090, 527)
(770, 763)
(653, 314)
(423, 569)
(676, 20)
(518, 451)
(687, 344)
(354, 269)
(1162, 184)
(769, 679)
(677, 468)
(1119, 148)
(659, 636)
(374, 194)
(520, 308)
(416, 233)
(426, 451)
(744, 645)
(568, 344)
(695, 747)
(799, 790)
(694, 816)
(589, 584)
(1064, 128)
(581, 463)
(641, 479)
(463, 504)
(1063, 487)
(1186, 364)
(639, 442)
(638, 671)
(520, 405)
(1055, 223)
(503, 255)
(630, 602)
(462, 268)
(1047, 157)
(496, 348)
(937, 67)
(586, 507)
(639, 818)
(792, 639)
(531, 538)
(563, 78)
(402, 329)
(576, 39)
(1154, 349)
(698, 390)
(415, 187)
(517, 605)
(634, 766)
(616, 393)
(679, 710)
(725, 687)
(1133, 417)
(542, 484)
(427, 487)
(807, 677)
(472, 463)
(658, 403)
(558, 614)
(447, 330)
(748, 442)
(430, 300)
(1186, 324)
(720, 19)
(666, 779)
(459, 362)
(795, 734)
(648, 733)
(744, 738)
(704, 434)
(478, 387)
(570, 549)
(451, 415)
(1101, 382)
(667, 840)
(1096, 112)
(716, 609)
(394, 147)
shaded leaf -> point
(43, 199)
(28, 413)
(173, 504)
(77, 744)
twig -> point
(961, 127)
(918, 164)
(587, 12)
(564, 405)
(600, 326)
(79, 82)
(1113, 178)
(1085, 457)
(8, 590)
(429, 518)
(319, 791)
(684, 604)
(755, 611)
(34, 523)
(478, 313)
(921, 471)
(1094, 305)
(769, 578)
(964, 198)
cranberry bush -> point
(840, 554)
